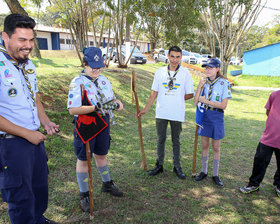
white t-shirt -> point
(171, 103)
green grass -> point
(163, 198)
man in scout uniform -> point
(23, 159)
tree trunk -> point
(15, 7)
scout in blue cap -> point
(93, 57)
(214, 92)
(23, 160)
(97, 88)
(213, 63)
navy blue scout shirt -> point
(15, 102)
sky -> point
(265, 16)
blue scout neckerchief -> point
(171, 79)
(211, 83)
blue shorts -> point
(99, 145)
(213, 125)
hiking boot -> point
(158, 169)
(48, 221)
(277, 191)
(111, 188)
(201, 176)
(179, 173)
(85, 201)
(217, 181)
(249, 189)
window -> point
(91, 43)
(62, 41)
(68, 41)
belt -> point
(216, 109)
(7, 136)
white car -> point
(188, 57)
(104, 52)
(200, 60)
(161, 56)
(234, 61)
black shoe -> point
(158, 169)
(84, 201)
(111, 188)
(179, 173)
(48, 221)
(217, 181)
(201, 176)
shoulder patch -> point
(30, 71)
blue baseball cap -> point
(93, 56)
(213, 63)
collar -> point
(5, 52)
(211, 83)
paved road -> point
(255, 88)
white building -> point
(52, 38)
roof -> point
(262, 47)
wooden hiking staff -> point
(133, 88)
(194, 152)
(89, 169)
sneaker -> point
(217, 181)
(201, 176)
(277, 191)
(48, 221)
(85, 201)
(158, 169)
(249, 189)
(111, 188)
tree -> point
(251, 38)
(15, 7)
(271, 36)
(227, 20)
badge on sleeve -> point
(12, 92)
(30, 71)
(72, 86)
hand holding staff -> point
(133, 88)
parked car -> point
(234, 61)
(188, 57)
(104, 52)
(200, 60)
(136, 57)
(161, 56)
(206, 56)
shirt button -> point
(28, 98)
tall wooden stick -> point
(89, 180)
(194, 152)
(88, 152)
(133, 87)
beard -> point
(15, 54)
